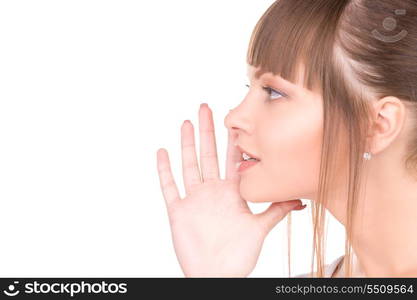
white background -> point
(89, 91)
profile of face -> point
(281, 123)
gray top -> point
(328, 269)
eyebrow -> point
(277, 81)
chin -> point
(252, 194)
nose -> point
(226, 119)
(235, 120)
(227, 122)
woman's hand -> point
(213, 230)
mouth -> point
(248, 160)
(247, 156)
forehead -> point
(251, 70)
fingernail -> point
(300, 207)
(203, 104)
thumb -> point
(275, 213)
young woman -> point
(330, 116)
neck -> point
(385, 226)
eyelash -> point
(270, 90)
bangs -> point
(294, 39)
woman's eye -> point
(273, 93)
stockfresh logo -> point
(12, 289)
(65, 288)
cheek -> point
(290, 150)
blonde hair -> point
(348, 61)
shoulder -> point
(328, 269)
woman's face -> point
(283, 128)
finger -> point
(275, 213)
(208, 150)
(166, 180)
(233, 157)
(190, 169)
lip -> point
(244, 165)
(247, 152)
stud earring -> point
(367, 156)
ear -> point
(388, 122)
